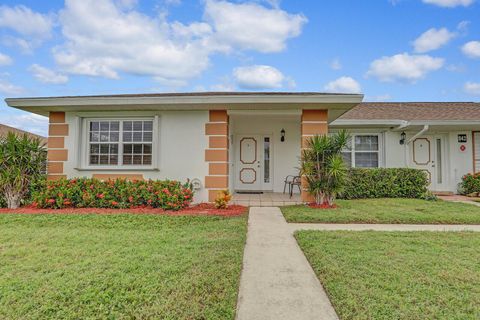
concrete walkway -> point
(382, 227)
(277, 281)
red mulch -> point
(202, 209)
(321, 206)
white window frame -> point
(85, 144)
(352, 150)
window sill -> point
(117, 169)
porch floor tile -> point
(268, 199)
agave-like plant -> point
(323, 167)
(22, 163)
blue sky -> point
(390, 50)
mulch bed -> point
(202, 209)
(313, 205)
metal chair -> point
(287, 182)
(297, 181)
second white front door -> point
(428, 154)
(253, 163)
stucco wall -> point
(395, 155)
(182, 143)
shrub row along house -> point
(247, 141)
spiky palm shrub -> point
(22, 162)
(323, 167)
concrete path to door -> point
(277, 281)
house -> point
(442, 138)
(248, 141)
(4, 130)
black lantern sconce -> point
(403, 136)
(282, 135)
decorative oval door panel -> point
(421, 151)
(248, 176)
(248, 150)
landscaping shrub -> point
(470, 184)
(22, 162)
(222, 199)
(119, 193)
(386, 183)
(323, 167)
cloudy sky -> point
(390, 50)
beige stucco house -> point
(247, 141)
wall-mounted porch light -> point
(282, 135)
(403, 136)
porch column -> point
(314, 122)
(57, 153)
(216, 155)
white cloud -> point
(450, 3)
(404, 67)
(432, 39)
(46, 75)
(472, 49)
(343, 85)
(9, 88)
(336, 64)
(225, 87)
(258, 77)
(5, 60)
(27, 121)
(472, 88)
(24, 21)
(251, 26)
(105, 39)
(33, 27)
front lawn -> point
(119, 266)
(397, 275)
(412, 211)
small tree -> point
(323, 166)
(22, 162)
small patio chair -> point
(287, 182)
(297, 181)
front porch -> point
(266, 199)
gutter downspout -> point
(425, 129)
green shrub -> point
(22, 161)
(119, 193)
(386, 183)
(470, 183)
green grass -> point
(407, 275)
(119, 266)
(412, 211)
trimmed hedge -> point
(386, 183)
(470, 184)
(119, 193)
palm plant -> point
(323, 167)
(22, 162)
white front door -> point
(253, 163)
(428, 154)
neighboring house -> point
(247, 141)
(442, 138)
(4, 130)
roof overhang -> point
(397, 124)
(336, 103)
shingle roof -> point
(414, 111)
(4, 130)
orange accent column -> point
(57, 154)
(216, 155)
(314, 122)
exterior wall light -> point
(403, 136)
(282, 135)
